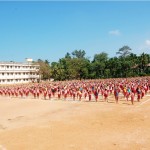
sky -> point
(48, 30)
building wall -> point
(11, 72)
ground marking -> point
(143, 103)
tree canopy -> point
(77, 66)
(124, 51)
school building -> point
(14, 72)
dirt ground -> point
(29, 124)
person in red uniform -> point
(142, 93)
(96, 95)
(116, 94)
(74, 94)
(80, 95)
(138, 90)
(49, 93)
(45, 93)
(38, 92)
(59, 94)
(106, 95)
(132, 98)
(65, 94)
(85, 94)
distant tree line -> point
(77, 66)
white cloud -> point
(115, 32)
(143, 48)
(147, 42)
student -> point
(49, 93)
(38, 93)
(105, 95)
(116, 94)
(138, 90)
(59, 94)
(85, 94)
(65, 94)
(53, 92)
(34, 93)
(90, 95)
(45, 93)
(16, 92)
(132, 98)
(96, 95)
(74, 95)
(142, 93)
(128, 93)
(21, 93)
(80, 95)
(27, 92)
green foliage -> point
(45, 70)
(76, 66)
(124, 51)
(78, 53)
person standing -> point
(116, 94)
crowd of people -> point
(130, 89)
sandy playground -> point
(29, 124)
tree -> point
(102, 57)
(45, 70)
(78, 53)
(143, 62)
(47, 62)
(68, 55)
(99, 64)
(57, 71)
(114, 65)
(124, 51)
(78, 68)
(133, 60)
